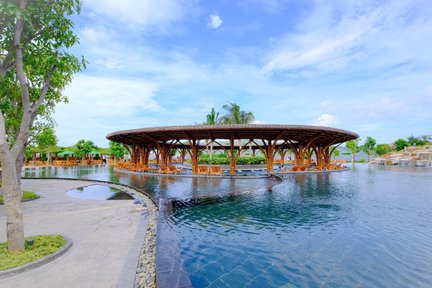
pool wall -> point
(170, 270)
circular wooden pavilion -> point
(305, 142)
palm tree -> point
(235, 115)
(212, 118)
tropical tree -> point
(45, 140)
(336, 153)
(401, 144)
(369, 146)
(382, 149)
(418, 141)
(353, 146)
(212, 118)
(84, 147)
(117, 149)
(236, 115)
(35, 66)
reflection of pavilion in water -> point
(304, 200)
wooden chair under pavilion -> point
(216, 170)
(203, 170)
(174, 170)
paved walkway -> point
(107, 237)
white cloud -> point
(141, 14)
(347, 36)
(97, 105)
(214, 22)
(382, 108)
(326, 120)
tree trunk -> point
(12, 204)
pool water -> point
(370, 227)
(157, 186)
(367, 227)
(98, 192)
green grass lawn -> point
(27, 195)
(36, 248)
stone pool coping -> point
(40, 262)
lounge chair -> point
(297, 168)
(174, 170)
(163, 169)
(202, 170)
(216, 170)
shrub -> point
(223, 159)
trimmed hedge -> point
(222, 159)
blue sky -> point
(364, 66)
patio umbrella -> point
(66, 153)
(94, 152)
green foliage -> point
(353, 146)
(46, 36)
(251, 160)
(217, 159)
(212, 118)
(223, 159)
(84, 147)
(26, 196)
(117, 149)
(401, 144)
(46, 138)
(418, 141)
(36, 248)
(235, 115)
(369, 145)
(382, 149)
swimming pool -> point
(368, 227)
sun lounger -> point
(298, 168)
(202, 170)
(174, 170)
(216, 170)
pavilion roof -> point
(298, 134)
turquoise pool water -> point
(368, 227)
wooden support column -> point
(282, 153)
(326, 155)
(164, 152)
(157, 155)
(145, 155)
(194, 156)
(183, 155)
(308, 153)
(232, 157)
(299, 155)
(270, 156)
(135, 154)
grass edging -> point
(25, 197)
(40, 262)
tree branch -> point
(47, 84)
(19, 60)
(3, 140)
(7, 64)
